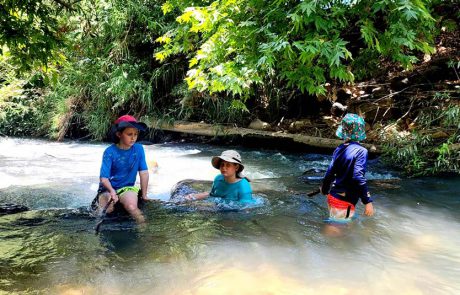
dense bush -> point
(232, 45)
(111, 70)
(433, 146)
(22, 105)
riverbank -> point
(261, 138)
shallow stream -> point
(410, 246)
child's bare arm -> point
(197, 196)
(144, 179)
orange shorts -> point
(340, 210)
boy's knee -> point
(131, 207)
(103, 197)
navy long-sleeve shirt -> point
(346, 174)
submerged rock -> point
(186, 187)
(9, 208)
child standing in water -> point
(230, 185)
(121, 162)
(345, 182)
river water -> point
(410, 246)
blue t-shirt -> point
(347, 172)
(238, 191)
(121, 166)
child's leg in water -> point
(129, 201)
(103, 198)
(339, 221)
(340, 214)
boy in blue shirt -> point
(121, 162)
(345, 182)
(230, 185)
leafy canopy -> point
(234, 44)
(33, 30)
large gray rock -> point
(257, 124)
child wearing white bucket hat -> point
(230, 184)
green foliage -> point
(84, 63)
(112, 71)
(434, 146)
(235, 44)
(22, 106)
(221, 110)
(33, 30)
(208, 108)
(18, 116)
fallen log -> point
(208, 130)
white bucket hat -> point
(228, 156)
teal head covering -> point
(352, 128)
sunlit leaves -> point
(290, 39)
(33, 30)
(164, 39)
(166, 7)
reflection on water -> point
(409, 247)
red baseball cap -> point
(126, 121)
(129, 121)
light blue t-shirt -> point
(121, 166)
(238, 191)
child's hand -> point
(368, 209)
(190, 197)
(114, 197)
